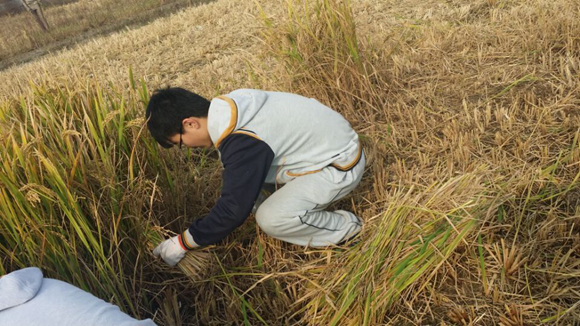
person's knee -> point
(269, 218)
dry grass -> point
(202, 48)
(75, 22)
(469, 115)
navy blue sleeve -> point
(246, 162)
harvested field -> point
(22, 40)
(469, 112)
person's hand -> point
(174, 249)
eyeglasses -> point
(180, 135)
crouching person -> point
(264, 138)
(27, 298)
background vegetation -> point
(75, 22)
(469, 113)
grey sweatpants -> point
(295, 213)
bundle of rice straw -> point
(194, 265)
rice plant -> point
(79, 184)
(467, 113)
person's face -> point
(193, 133)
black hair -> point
(168, 107)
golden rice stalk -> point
(194, 265)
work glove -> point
(174, 249)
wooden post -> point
(35, 8)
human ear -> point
(191, 123)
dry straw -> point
(72, 23)
(436, 92)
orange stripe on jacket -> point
(351, 164)
(233, 119)
(247, 133)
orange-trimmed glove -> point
(174, 249)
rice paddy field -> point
(22, 40)
(469, 112)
